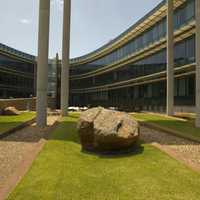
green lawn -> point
(9, 122)
(62, 171)
(181, 127)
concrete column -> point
(35, 78)
(42, 64)
(65, 58)
(198, 63)
(170, 58)
(58, 81)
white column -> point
(170, 58)
(198, 63)
(65, 58)
(42, 64)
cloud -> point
(25, 21)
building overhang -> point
(180, 34)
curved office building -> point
(17, 73)
(130, 71)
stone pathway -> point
(186, 151)
(17, 152)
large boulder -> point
(107, 130)
(10, 111)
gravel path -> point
(15, 148)
(183, 150)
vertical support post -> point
(35, 78)
(197, 63)
(42, 67)
(170, 58)
(65, 58)
(58, 81)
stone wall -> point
(25, 103)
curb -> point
(167, 130)
(17, 128)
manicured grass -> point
(62, 171)
(181, 127)
(9, 122)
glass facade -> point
(15, 64)
(124, 87)
(52, 78)
(184, 54)
(151, 96)
(182, 16)
(16, 77)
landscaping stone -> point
(107, 130)
(11, 111)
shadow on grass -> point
(135, 150)
(67, 132)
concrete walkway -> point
(185, 151)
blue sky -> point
(94, 23)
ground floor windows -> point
(145, 96)
(184, 87)
(15, 85)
